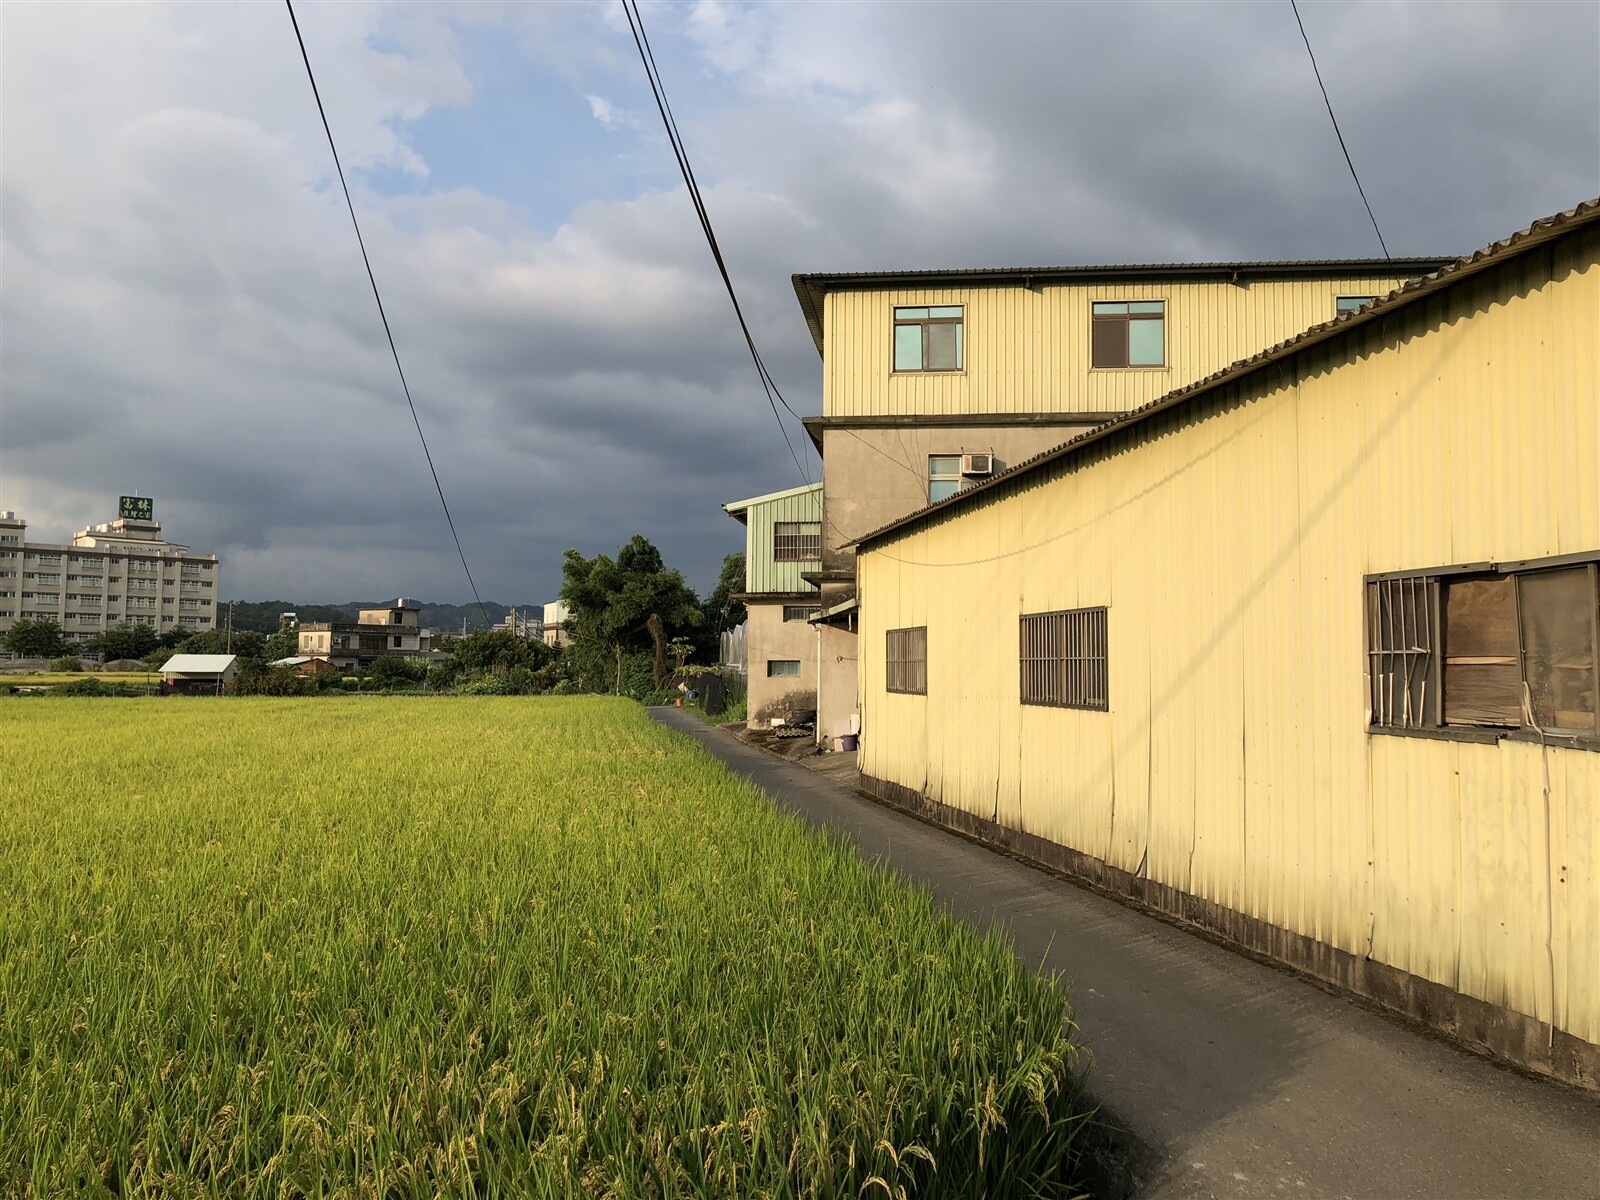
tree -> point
(246, 644)
(722, 611)
(172, 638)
(35, 638)
(123, 641)
(391, 670)
(499, 649)
(285, 643)
(611, 603)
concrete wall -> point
(875, 475)
(771, 637)
(1234, 772)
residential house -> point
(390, 632)
(554, 628)
(118, 572)
(934, 381)
(783, 542)
(1304, 652)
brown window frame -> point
(796, 546)
(1100, 323)
(905, 661)
(1063, 659)
(1408, 618)
(925, 323)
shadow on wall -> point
(798, 701)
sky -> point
(184, 313)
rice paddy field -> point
(481, 946)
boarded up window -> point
(906, 661)
(1403, 652)
(1063, 658)
(1518, 649)
(797, 541)
(1557, 612)
(1482, 674)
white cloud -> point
(185, 310)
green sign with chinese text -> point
(137, 508)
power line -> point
(630, 9)
(1336, 131)
(384, 316)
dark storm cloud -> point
(185, 310)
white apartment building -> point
(119, 572)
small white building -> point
(556, 616)
(198, 674)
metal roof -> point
(1544, 230)
(737, 508)
(198, 664)
(810, 289)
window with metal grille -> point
(928, 339)
(1063, 656)
(1403, 651)
(797, 541)
(799, 612)
(1129, 333)
(906, 661)
(1504, 649)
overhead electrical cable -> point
(769, 386)
(1336, 131)
(384, 316)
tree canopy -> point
(124, 641)
(611, 603)
(32, 637)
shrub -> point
(87, 686)
(390, 671)
(67, 663)
(269, 681)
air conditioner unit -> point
(977, 464)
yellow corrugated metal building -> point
(1319, 710)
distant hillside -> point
(262, 616)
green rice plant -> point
(494, 947)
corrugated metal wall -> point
(762, 573)
(1234, 763)
(1028, 351)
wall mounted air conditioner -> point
(977, 464)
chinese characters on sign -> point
(137, 508)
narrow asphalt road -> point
(1235, 1079)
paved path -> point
(1238, 1079)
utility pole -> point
(230, 626)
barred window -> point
(797, 541)
(1510, 648)
(799, 612)
(1064, 659)
(906, 661)
(1403, 646)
